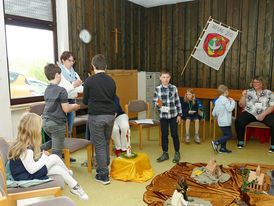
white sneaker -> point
(78, 190)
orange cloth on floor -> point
(135, 170)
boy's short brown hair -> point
(99, 62)
(222, 88)
(164, 72)
(50, 71)
(66, 55)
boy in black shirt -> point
(99, 95)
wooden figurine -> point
(260, 184)
(179, 197)
(213, 169)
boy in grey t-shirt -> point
(56, 107)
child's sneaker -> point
(104, 179)
(187, 138)
(197, 138)
(214, 146)
(240, 146)
(163, 157)
(271, 150)
(78, 190)
(222, 150)
(176, 157)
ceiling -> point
(152, 3)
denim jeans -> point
(227, 132)
(57, 133)
(100, 128)
(174, 133)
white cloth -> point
(56, 166)
(72, 92)
(223, 111)
(120, 124)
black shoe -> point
(71, 159)
(214, 146)
(104, 179)
(222, 150)
(271, 150)
(240, 146)
(163, 157)
(176, 157)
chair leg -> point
(204, 125)
(210, 128)
(214, 130)
(74, 133)
(110, 147)
(148, 133)
(89, 148)
(141, 137)
(66, 157)
(160, 136)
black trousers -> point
(244, 118)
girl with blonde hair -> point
(27, 162)
(190, 113)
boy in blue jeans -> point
(169, 107)
(223, 112)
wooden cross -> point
(116, 39)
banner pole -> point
(195, 46)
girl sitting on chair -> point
(27, 162)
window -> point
(31, 44)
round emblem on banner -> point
(215, 45)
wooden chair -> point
(18, 193)
(140, 106)
(255, 125)
(211, 118)
(71, 145)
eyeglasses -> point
(71, 60)
(257, 82)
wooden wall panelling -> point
(234, 72)
(175, 45)
(108, 28)
(164, 37)
(119, 62)
(268, 46)
(228, 60)
(251, 40)
(127, 34)
(152, 40)
(89, 22)
(201, 24)
(260, 38)
(123, 34)
(80, 65)
(181, 43)
(188, 46)
(243, 37)
(158, 39)
(101, 24)
(142, 19)
(148, 37)
(194, 37)
(169, 38)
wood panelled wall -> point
(163, 37)
(101, 17)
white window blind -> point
(36, 9)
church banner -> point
(214, 44)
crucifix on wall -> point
(116, 39)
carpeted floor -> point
(130, 193)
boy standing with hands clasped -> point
(223, 112)
(167, 101)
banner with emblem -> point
(214, 43)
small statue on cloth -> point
(179, 197)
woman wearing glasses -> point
(258, 103)
(71, 82)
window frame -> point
(32, 23)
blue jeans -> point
(70, 117)
(100, 128)
(227, 131)
(174, 133)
